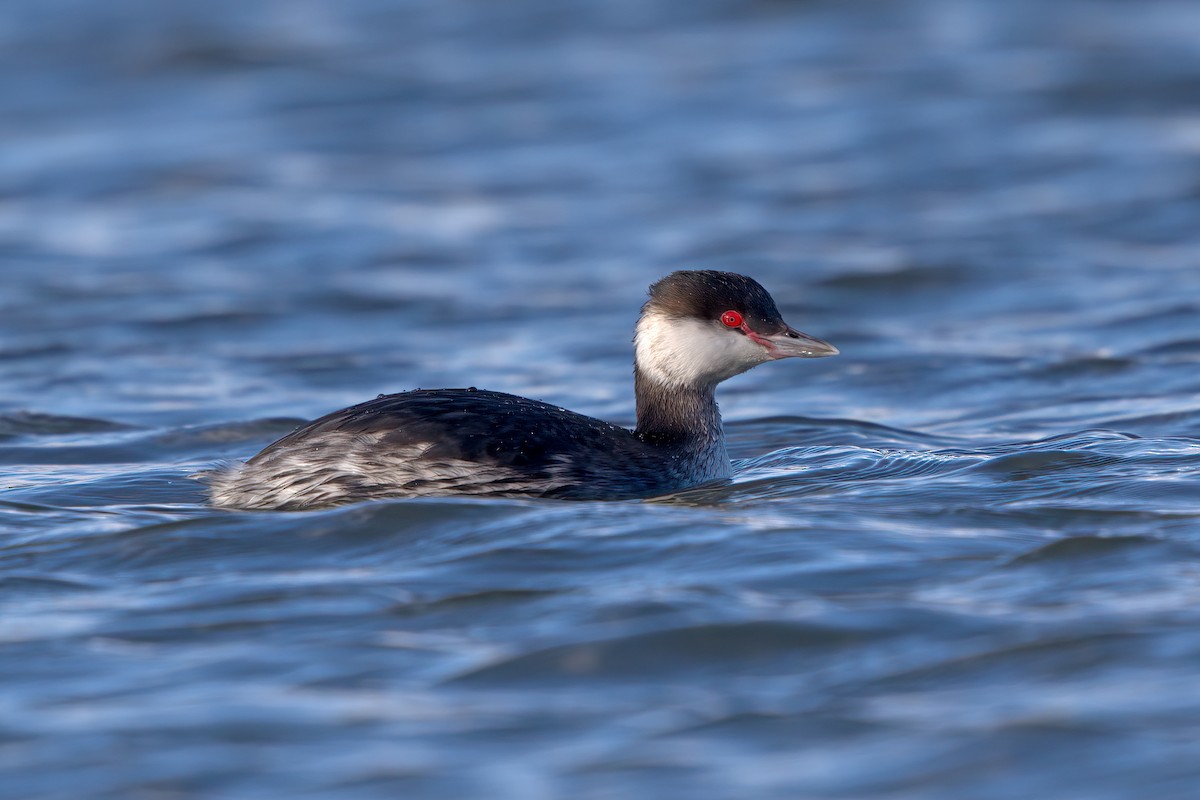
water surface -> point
(962, 560)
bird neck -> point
(679, 415)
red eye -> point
(731, 319)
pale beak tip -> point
(793, 343)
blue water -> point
(962, 560)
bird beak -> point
(791, 343)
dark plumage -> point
(513, 440)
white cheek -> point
(688, 351)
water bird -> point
(696, 329)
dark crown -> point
(706, 294)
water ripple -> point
(960, 560)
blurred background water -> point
(960, 561)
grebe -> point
(696, 329)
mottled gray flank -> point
(472, 442)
